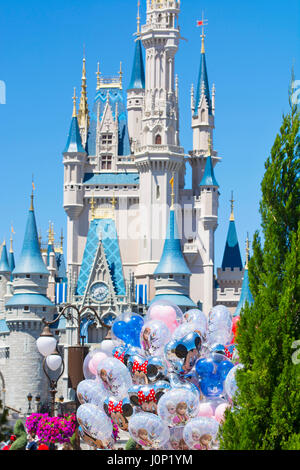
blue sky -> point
(251, 47)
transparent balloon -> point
(146, 370)
(154, 336)
(212, 371)
(95, 425)
(230, 382)
(127, 328)
(114, 376)
(214, 408)
(119, 411)
(182, 353)
(176, 441)
(201, 433)
(176, 408)
(148, 430)
(91, 391)
(87, 372)
(146, 397)
(167, 312)
(196, 316)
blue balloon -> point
(129, 331)
(211, 386)
(204, 367)
(223, 369)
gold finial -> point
(62, 240)
(121, 75)
(49, 233)
(114, 202)
(232, 201)
(172, 181)
(40, 237)
(138, 18)
(11, 239)
(74, 104)
(93, 208)
(83, 112)
(247, 251)
(32, 196)
(98, 73)
(203, 23)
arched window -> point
(203, 115)
(158, 140)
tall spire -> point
(30, 261)
(203, 84)
(83, 113)
(137, 80)
(246, 295)
(4, 264)
(11, 256)
(74, 142)
(232, 255)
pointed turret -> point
(11, 257)
(246, 295)
(4, 264)
(31, 261)
(232, 255)
(203, 84)
(136, 91)
(209, 174)
(74, 142)
(83, 113)
(172, 260)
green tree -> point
(266, 411)
(4, 428)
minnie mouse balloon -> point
(119, 411)
(154, 335)
(201, 433)
(114, 376)
(146, 370)
(148, 430)
(167, 312)
(146, 397)
(176, 407)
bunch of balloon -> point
(164, 379)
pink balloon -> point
(220, 411)
(166, 314)
(206, 410)
(94, 362)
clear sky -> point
(251, 47)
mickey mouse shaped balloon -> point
(212, 371)
(118, 411)
(146, 397)
(183, 353)
(144, 371)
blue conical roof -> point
(4, 264)
(232, 255)
(74, 142)
(172, 260)
(209, 174)
(203, 79)
(11, 261)
(31, 261)
(138, 71)
(246, 295)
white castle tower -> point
(117, 174)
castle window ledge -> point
(190, 248)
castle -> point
(135, 234)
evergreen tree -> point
(4, 429)
(266, 411)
